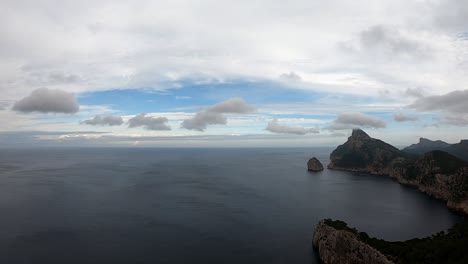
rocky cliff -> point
(365, 154)
(314, 165)
(337, 245)
(425, 145)
(459, 150)
(436, 173)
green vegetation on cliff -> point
(450, 247)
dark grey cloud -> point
(104, 120)
(149, 122)
(215, 114)
(292, 76)
(399, 117)
(46, 100)
(345, 121)
(276, 127)
(382, 42)
(453, 102)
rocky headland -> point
(436, 173)
(338, 244)
(314, 165)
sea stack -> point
(314, 165)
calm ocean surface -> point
(192, 205)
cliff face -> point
(337, 246)
(365, 154)
(440, 175)
(437, 173)
(425, 145)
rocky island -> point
(436, 173)
(314, 165)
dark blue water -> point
(192, 205)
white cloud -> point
(91, 45)
(276, 127)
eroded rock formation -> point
(341, 246)
(314, 165)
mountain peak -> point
(359, 133)
(424, 140)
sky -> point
(215, 73)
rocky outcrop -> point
(426, 145)
(336, 246)
(437, 173)
(362, 153)
(459, 150)
(314, 165)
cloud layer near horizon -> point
(276, 127)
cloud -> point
(108, 120)
(4, 105)
(60, 78)
(346, 121)
(453, 102)
(276, 127)
(45, 100)
(399, 117)
(215, 114)
(292, 76)
(149, 122)
(414, 92)
(383, 42)
(460, 121)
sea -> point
(154, 205)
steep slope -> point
(425, 145)
(365, 154)
(459, 150)
(436, 173)
(337, 243)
